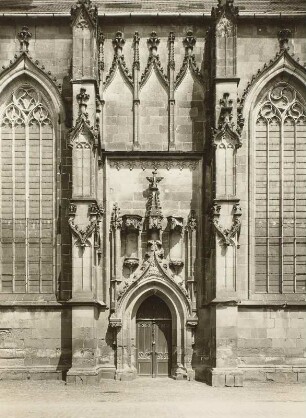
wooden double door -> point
(154, 331)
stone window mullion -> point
(280, 178)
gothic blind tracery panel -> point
(27, 194)
(280, 192)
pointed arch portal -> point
(153, 339)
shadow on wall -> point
(65, 360)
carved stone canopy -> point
(175, 223)
(131, 222)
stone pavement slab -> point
(149, 398)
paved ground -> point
(149, 398)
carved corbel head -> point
(215, 211)
(72, 209)
(237, 211)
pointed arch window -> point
(27, 192)
(280, 192)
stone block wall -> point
(34, 343)
(271, 344)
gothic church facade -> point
(153, 190)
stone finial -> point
(283, 38)
(153, 212)
(24, 37)
(225, 8)
(101, 40)
(153, 43)
(136, 40)
(189, 42)
(82, 99)
(116, 219)
(171, 40)
(88, 6)
(118, 43)
(192, 221)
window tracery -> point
(27, 193)
(280, 192)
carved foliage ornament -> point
(154, 164)
(83, 235)
(227, 235)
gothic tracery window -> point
(27, 150)
(280, 192)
